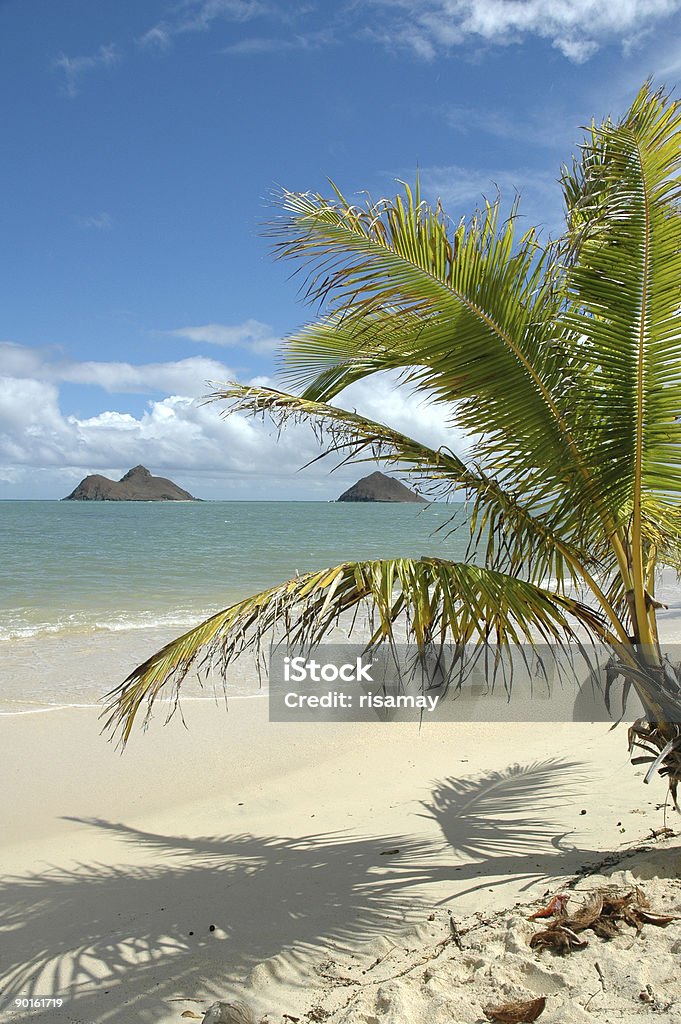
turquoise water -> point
(79, 567)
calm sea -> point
(80, 567)
(91, 589)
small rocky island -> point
(137, 485)
(379, 487)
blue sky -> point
(142, 143)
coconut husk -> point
(522, 1011)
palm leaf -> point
(626, 293)
(514, 537)
(473, 319)
(436, 600)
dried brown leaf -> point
(586, 915)
(662, 833)
(605, 929)
(662, 920)
(641, 897)
(616, 905)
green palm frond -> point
(470, 316)
(436, 601)
(467, 314)
(517, 539)
(625, 291)
(323, 358)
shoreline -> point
(73, 670)
(43, 708)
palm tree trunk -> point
(658, 685)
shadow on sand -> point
(114, 941)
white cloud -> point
(278, 44)
(199, 16)
(381, 398)
(22, 360)
(550, 124)
(184, 376)
(580, 50)
(99, 221)
(178, 433)
(462, 188)
(73, 67)
(251, 334)
(32, 429)
(577, 28)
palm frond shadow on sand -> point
(505, 823)
(114, 940)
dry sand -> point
(327, 858)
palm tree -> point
(561, 361)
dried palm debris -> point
(602, 913)
(555, 906)
(523, 1011)
(559, 938)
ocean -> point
(80, 578)
(82, 566)
(91, 589)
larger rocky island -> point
(379, 487)
(137, 485)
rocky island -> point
(379, 487)
(137, 485)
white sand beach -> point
(311, 868)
